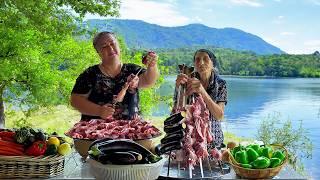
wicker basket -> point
(258, 173)
(31, 167)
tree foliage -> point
(273, 130)
(39, 54)
(249, 64)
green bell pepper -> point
(261, 163)
(236, 149)
(267, 152)
(278, 154)
(274, 162)
(241, 157)
(248, 166)
(257, 148)
(252, 154)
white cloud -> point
(307, 47)
(252, 3)
(160, 13)
(272, 41)
(197, 19)
(153, 12)
(287, 33)
(278, 20)
(316, 2)
(312, 43)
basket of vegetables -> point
(123, 159)
(30, 153)
(255, 161)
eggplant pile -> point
(174, 128)
(121, 152)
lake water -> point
(250, 100)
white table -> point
(76, 168)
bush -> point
(275, 131)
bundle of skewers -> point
(188, 131)
(120, 96)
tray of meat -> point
(113, 129)
(85, 132)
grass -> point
(61, 118)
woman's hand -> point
(152, 60)
(194, 86)
(181, 79)
(106, 111)
(133, 81)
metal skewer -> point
(201, 169)
(168, 172)
(209, 166)
(190, 172)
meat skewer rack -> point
(174, 127)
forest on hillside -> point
(244, 63)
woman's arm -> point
(216, 109)
(82, 104)
(149, 78)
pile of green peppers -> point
(255, 156)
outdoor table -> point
(77, 168)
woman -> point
(94, 91)
(212, 88)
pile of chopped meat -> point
(113, 129)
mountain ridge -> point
(140, 34)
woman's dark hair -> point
(98, 36)
(210, 54)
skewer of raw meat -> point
(119, 98)
(122, 93)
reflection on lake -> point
(250, 100)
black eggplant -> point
(118, 158)
(175, 118)
(172, 128)
(127, 145)
(169, 147)
(138, 156)
(107, 147)
(179, 132)
(171, 139)
(176, 135)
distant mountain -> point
(139, 34)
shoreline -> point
(260, 77)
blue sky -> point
(291, 25)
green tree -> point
(39, 55)
(273, 130)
